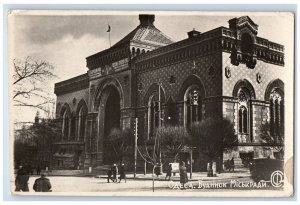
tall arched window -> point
(192, 107)
(72, 127)
(81, 123)
(276, 112)
(153, 114)
(66, 125)
(243, 113)
(243, 120)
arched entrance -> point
(112, 115)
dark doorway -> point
(111, 121)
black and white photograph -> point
(151, 103)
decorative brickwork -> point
(231, 71)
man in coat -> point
(122, 173)
(169, 172)
(21, 181)
(109, 174)
(42, 184)
(115, 173)
(231, 164)
(183, 174)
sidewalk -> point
(196, 176)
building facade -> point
(230, 72)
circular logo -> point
(277, 179)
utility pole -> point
(159, 121)
(135, 145)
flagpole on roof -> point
(108, 30)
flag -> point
(108, 30)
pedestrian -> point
(109, 174)
(122, 173)
(115, 173)
(157, 169)
(38, 170)
(42, 184)
(169, 172)
(21, 181)
(231, 164)
(183, 174)
(227, 164)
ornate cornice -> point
(78, 83)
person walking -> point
(169, 172)
(231, 164)
(42, 184)
(115, 173)
(183, 174)
(38, 170)
(21, 181)
(157, 169)
(122, 173)
(109, 174)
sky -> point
(66, 39)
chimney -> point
(193, 33)
(146, 19)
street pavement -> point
(142, 183)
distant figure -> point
(183, 174)
(21, 181)
(29, 169)
(157, 169)
(42, 184)
(227, 164)
(231, 167)
(38, 170)
(115, 173)
(109, 174)
(122, 173)
(169, 172)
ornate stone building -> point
(229, 72)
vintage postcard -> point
(119, 103)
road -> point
(93, 184)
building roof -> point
(145, 33)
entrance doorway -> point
(112, 120)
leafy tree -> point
(173, 140)
(212, 135)
(275, 141)
(47, 132)
(37, 150)
(170, 140)
(121, 141)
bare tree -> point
(29, 83)
(150, 153)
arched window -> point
(276, 112)
(81, 123)
(72, 127)
(243, 113)
(153, 114)
(243, 120)
(66, 125)
(192, 107)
